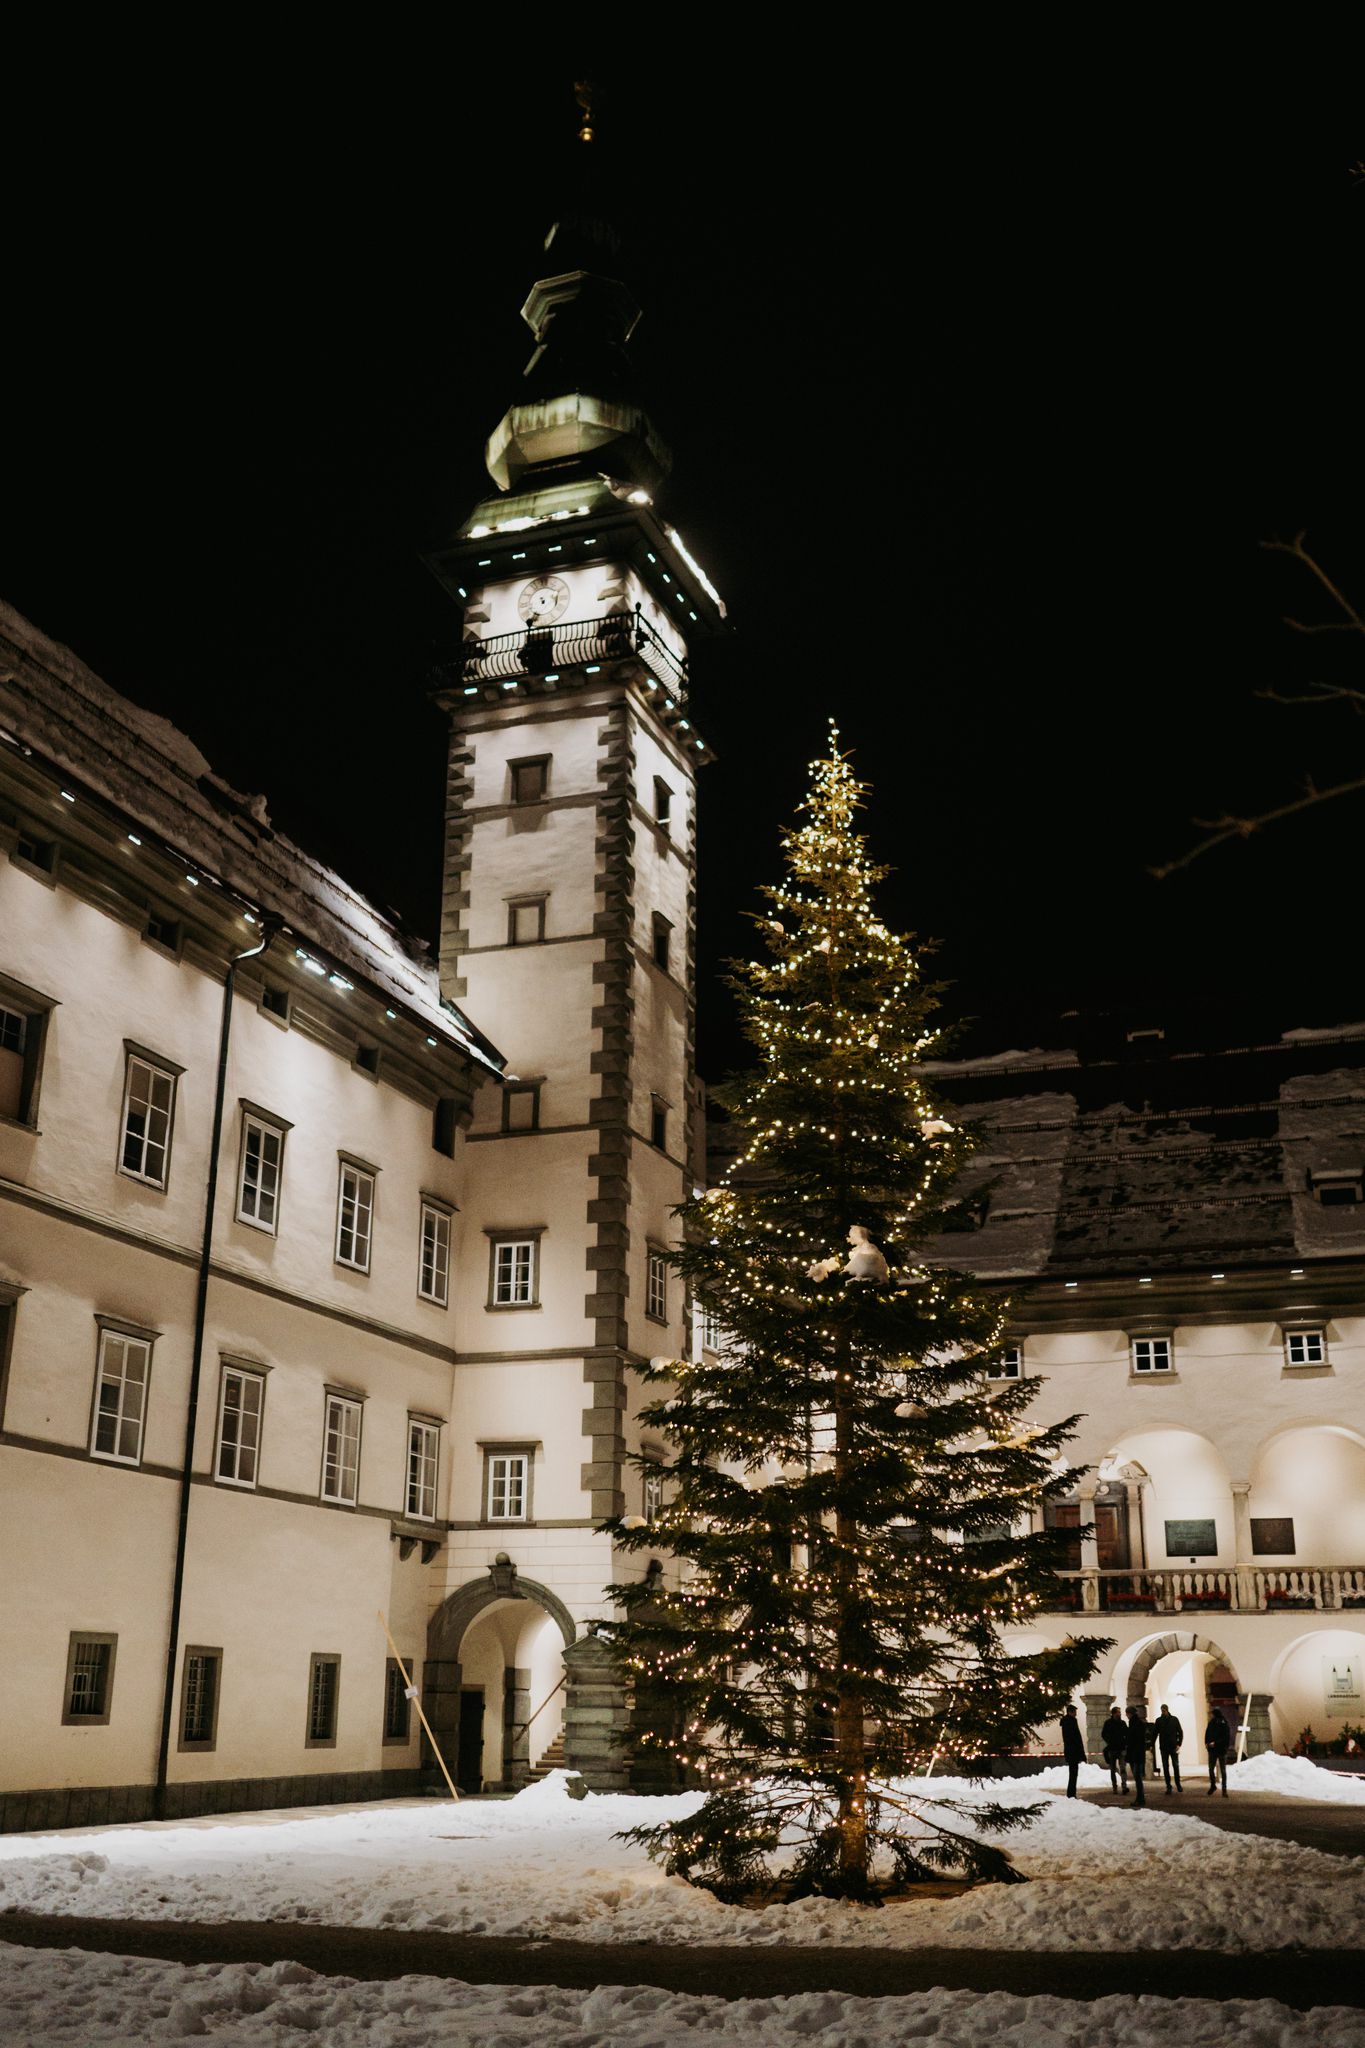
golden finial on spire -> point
(583, 92)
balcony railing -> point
(570, 643)
(1237, 1589)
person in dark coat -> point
(1114, 1736)
(1073, 1749)
(1217, 1737)
(1137, 1752)
(1169, 1736)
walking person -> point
(1114, 1736)
(1169, 1736)
(1137, 1752)
(1217, 1737)
(1073, 1748)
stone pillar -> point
(1241, 1520)
(1132, 1509)
(1090, 1550)
(595, 1714)
(441, 1705)
(1255, 1711)
(1097, 1705)
(516, 1736)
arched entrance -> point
(493, 1682)
(1194, 1677)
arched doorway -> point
(1194, 1677)
(493, 1683)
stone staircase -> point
(552, 1759)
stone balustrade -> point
(1236, 1589)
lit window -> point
(433, 1278)
(507, 1485)
(1305, 1347)
(656, 1287)
(1009, 1365)
(258, 1172)
(124, 1368)
(199, 1689)
(341, 1450)
(89, 1678)
(424, 1444)
(514, 1272)
(239, 1425)
(148, 1107)
(355, 1216)
(324, 1690)
(1151, 1354)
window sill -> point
(502, 1308)
(19, 1123)
(112, 1458)
(650, 1317)
(1325, 1371)
(1148, 1379)
(266, 1229)
(349, 1266)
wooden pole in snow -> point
(415, 1697)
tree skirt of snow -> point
(68, 1998)
(546, 1865)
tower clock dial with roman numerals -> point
(543, 600)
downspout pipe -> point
(269, 927)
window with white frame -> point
(341, 1450)
(1305, 1347)
(515, 1272)
(23, 1028)
(653, 1496)
(124, 1368)
(1008, 1365)
(258, 1171)
(355, 1215)
(240, 1401)
(424, 1449)
(433, 1272)
(712, 1336)
(507, 1486)
(148, 1109)
(656, 1286)
(1151, 1354)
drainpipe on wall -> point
(269, 927)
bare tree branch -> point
(1228, 827)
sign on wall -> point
(1341, 1694)
(1191, 1539)
(1272, 1535)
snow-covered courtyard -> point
(544, 1865)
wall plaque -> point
(1191, 1539)
(1272, 1535)
(1341, 1694)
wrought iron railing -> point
(570, 643)
(1240, 1589)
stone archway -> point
(1254, 1712)
(442, 1674)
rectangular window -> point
(712, 1338)
(164, 931)
(239, 1425)
(530, 779)
(23, 1030)
(397, 1705)
(148, 1107)
(1009, 1365)
(663, 939)
(258, 1175)
(433, 1274)
(507, 1485)
(656, 1287)
(367, 1059)
(324, 1690)
(521, 1107)
(443, 1126)
(658, 1122)
(653, 1496)
(341, 1450)
(275, 1002)
(199, 1698)
(1337, 1187)
(38, 853)
(526, 922)
(124, 1368)
(1151, 1354)
(355, 1215)
(514, 1277)
(1305, 1347)
(424, 1447)
(89, 1679)
(663, 802)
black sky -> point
(981, 406)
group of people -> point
(1129, 1743)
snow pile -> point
(72, 1999)
(1296, 1778)
(544, 1864)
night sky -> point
(981, 407)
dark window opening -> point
(443, 1125)
(276, 1000)
(89, 1678)
(397, 1705)
(39, 853)
(663, 934)
(164, 931)
(658, 1123)
(367, 1058)
(663, 802)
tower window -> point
(658, 1122)
(521, 1107)
(656, 1286)
(35, 852)
(526, 921)
(433, 1269)
(529, 780)
(663, 803)
(148, 1109)
(514, 1269)
(663, 938)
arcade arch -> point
(494, 1676)
(1310, 1478)
(1319, 1683)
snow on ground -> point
(70, 1998)
(543, 1864)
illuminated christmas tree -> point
(848, 1499)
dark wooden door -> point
(469, 1763)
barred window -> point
(89, 1678)
(199, 1698)
(433, 1277)
(355, 1216)
(324, 1687)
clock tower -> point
(567, 932)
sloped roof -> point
(54, 707)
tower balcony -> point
(544, 651)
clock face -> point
(543, 600)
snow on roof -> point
(53, 704)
